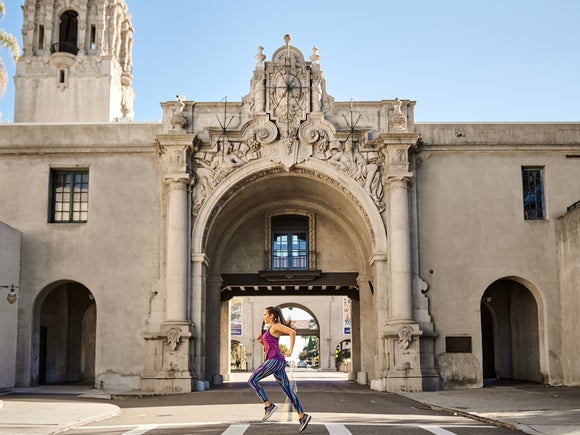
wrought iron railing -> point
(64, 47)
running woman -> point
(275, 364)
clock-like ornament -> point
(287, 96)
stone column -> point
(400, 249)
(177, 260)
(198, 311)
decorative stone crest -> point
(173, 338)
(405, 337)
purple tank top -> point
(271, 347)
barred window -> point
(69, 196)
(533, 193)
(290, 242)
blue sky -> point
(462, 61)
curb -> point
(476, 417)
(80, 422)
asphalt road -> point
(337, 408)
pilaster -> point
(169, 365)
(401, 333)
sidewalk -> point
(44, 414)
(530, 408)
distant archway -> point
(510, 332)
(66, 335)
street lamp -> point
(11, 298)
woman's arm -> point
(280, 329)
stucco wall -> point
(471, 226)
(116, 254)
(10, 240)
(568, 228)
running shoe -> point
(304, 422)
(269, 410)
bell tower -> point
(76, 62)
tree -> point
(10, 43)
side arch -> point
(516, 320)
(63, 334)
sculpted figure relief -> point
(366, 173)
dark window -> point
(68, 34)
(290, 242)
(93, 40)
(533, 193)
(69, 196)
(41, 37)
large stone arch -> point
(315, 186)
(313, 169)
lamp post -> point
(11, 298)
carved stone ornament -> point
(179, 120)
(405, 337)
(397, 120)
(173, 337)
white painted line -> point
(236, 429)
(337, 429)
(139, 430)
(436, 430)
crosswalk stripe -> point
(436, 430)
(337, 429)
(139, 430)
(236, 429)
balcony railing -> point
(64, 47)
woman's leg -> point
(282, 379)
(266, 369)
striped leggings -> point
(278, 369)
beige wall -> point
(116, 254)
(568, 230)
(10, 241)
(471, 226)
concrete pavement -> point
(530, 408)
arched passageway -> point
(510, 332)
(244, 238)
(66, 335)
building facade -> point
(456, 243)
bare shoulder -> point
(282, 329)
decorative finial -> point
(287, 39)
(315, 57)
(260, 57)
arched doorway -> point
(510, 332)
(68, 32)
(66, 335)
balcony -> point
(63, 54)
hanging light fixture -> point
(11, 298)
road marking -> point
(236, 429)
(436, 430)
(139, 430)
(337, 429)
